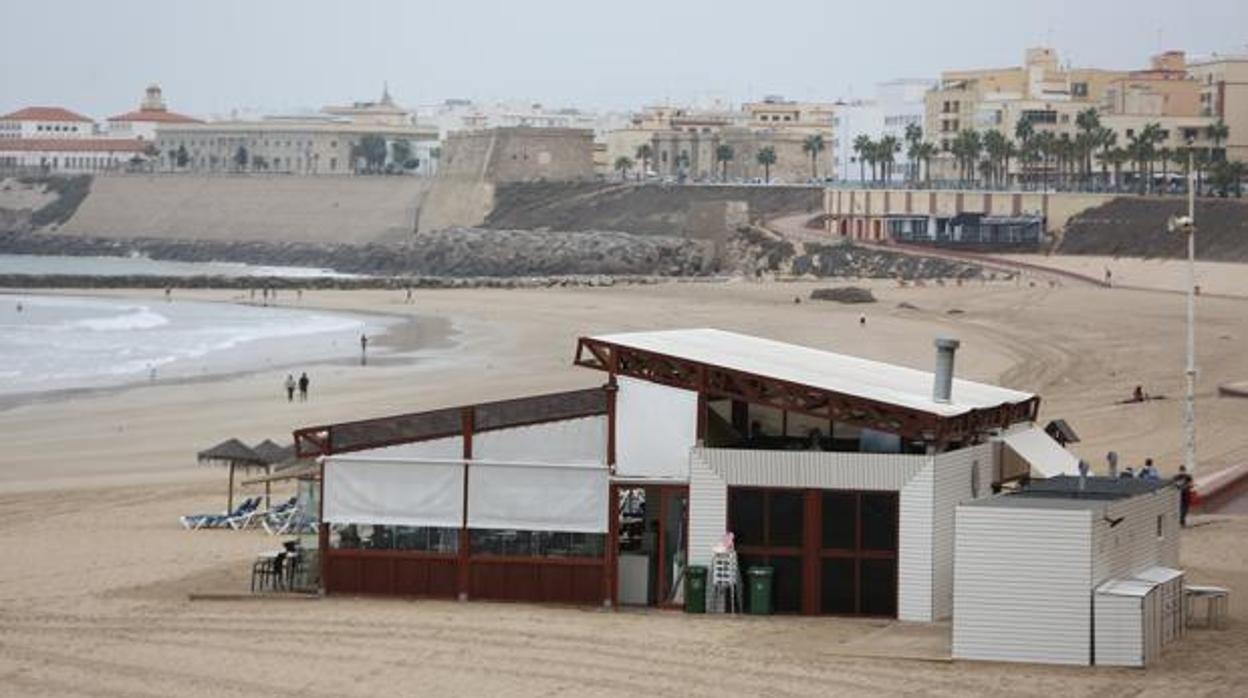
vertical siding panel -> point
(951, 486)
(708, 509)
(1018, 595)
(914, 548)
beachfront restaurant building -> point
(840, 473)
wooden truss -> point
(717, 382)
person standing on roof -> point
(1149, 471)
(1184, 482)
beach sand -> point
(96, 573)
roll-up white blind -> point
(409, 493)
(538, 497)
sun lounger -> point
(197, 521)
(255, 516)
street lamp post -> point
(1187, 226)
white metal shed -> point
(1128, 623)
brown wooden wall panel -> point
(538, 581)
(432, 577)
(342, 574)
(377, 575)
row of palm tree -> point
(1064, 160)
(724, 154)
(882, 155)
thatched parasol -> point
(272, 455)
(235, 454)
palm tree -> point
(889, 147)
(622, 165)
(723, 155)
(1116, 158)
(645, 154)
(1046, 146)
(913, 136)
(1106, 139)
(872, 156)
(1024, 132)
(995, 144)
(1217, 133)
(967, 147)
(1089, 123)
(924, 152)
(1165, 155)
(766, 157)
(813, 145)
(862, 145)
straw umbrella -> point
(233, 453)
(272, 455)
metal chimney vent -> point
(942, 387)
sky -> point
(281, 56)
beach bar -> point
(840, 474)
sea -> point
(52, 343)
(21, 264)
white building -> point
(897, 104)
(842, 474)
(45, 123)
(1038, 570)
(143, 122)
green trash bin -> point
(695, 590)
(760, 590)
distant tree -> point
(1217, 133)
(240, 158)
(766, 157)
(259, 162)
(914, 136)
(1227, 176)
(371, 150)
(813, 146)
(1024, 133)
(1106, 139)
(1115, 157)
(401, 152)
(724, 154)
(645, 154)
(182, 157)
(622, 165)
(923, 153)
(862, 147)
(995, 144)
(1089, 123)
(889, 146)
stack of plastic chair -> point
(725, 583)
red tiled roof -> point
(73, 145)
(44, 114)
(156, 116)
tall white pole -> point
(1189, 409)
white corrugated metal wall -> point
(1119, 631)
(1022, 584)
(914, 547)
(708, 509)
(1132, 546)
(952, 484)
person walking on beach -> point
(363, 349)
(290, 388)
(1184, 482)
(303, 387)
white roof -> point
(825, 370)
(1046, 456)
(1158, 575)
(1126, 587)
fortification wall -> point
(519, 155)
(251, 207)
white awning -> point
(538, 497)
(396, 493)
(1046, 457)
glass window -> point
(877, 582)
(785, 519)
(745, 516)
(840, 521)
(426, 539)
(837, 585)
(516, 543)
(879, 521)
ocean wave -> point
(141, 319)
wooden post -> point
(268, 470)
(229, 500)
(612, 391)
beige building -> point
(1223, 84)
(686, 143)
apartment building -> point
(897, 105)
(1223, 95)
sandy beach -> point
(94, 589)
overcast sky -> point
(211, 57)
